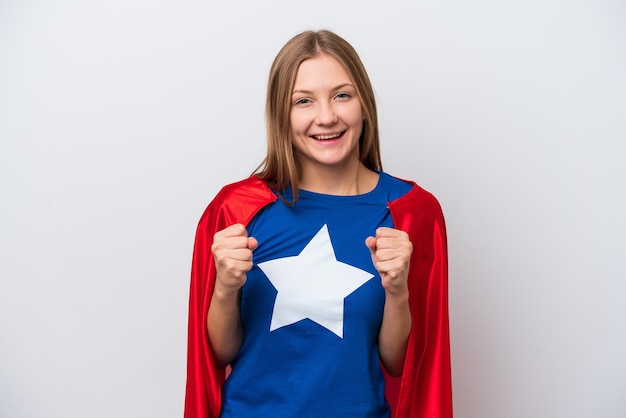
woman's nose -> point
(326, 115)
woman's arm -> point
(391, 252)
(232, 250)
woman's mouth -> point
(327, 137)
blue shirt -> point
(311, 309)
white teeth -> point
(325, 137)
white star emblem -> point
(313, 285)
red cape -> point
(425, 388)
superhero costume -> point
(424, 389)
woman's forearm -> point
(394, 333)
(224, 325)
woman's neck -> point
(340, 181)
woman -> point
(320, 282)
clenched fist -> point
(391, 254)
(232, 249)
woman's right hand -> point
(232, 250)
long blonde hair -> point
(280, 168)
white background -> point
(120, 119)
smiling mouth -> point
(327, 137)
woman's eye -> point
(302, 101)
(343, 96)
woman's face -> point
(326, 118)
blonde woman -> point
(320, 282)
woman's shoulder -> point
(416, 195)
(249, 190)
(252, 185)
(239, 198)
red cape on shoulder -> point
(425, 388)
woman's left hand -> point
(391, 254)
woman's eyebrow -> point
(339, 87)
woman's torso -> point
(311, 309)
